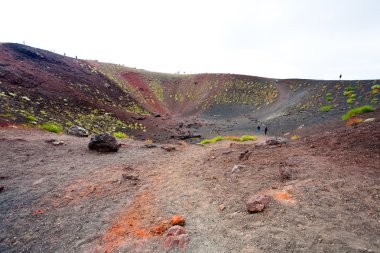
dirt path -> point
(79, 201)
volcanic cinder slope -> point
(323, 188)
(105, 97)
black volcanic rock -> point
(103, 143)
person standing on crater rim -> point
(258, 128)
(266, 130)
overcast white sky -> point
(317, 39)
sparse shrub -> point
(69, 124)
(295, 138)
(350, 88)
(377, 86)
(328, 97)
(354, 121)
(213, 140)
(375, 91)
(325, 108)
(374, 100)
(52, 127)
(248, 138)
(347, 93)
(120, 135)
(31, 118)
(230, 138)
(350, 100)
(353, 95)
(352, 113)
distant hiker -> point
(340, 77)
(258, 128)
(265, 130)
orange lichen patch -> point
(283, 196)
(133, 224)
(178, 220)
(354, 121)
(161, 229)
(232, 138)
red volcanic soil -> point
(135, 80)
(324, 192)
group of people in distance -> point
(265, 130)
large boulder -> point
(77, 131)
(103, 143)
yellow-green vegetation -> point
(356, 111)
(120, 135)
(229, 138)
(246, 92)
(157, 89)
(374, 100)
(325, 108)
(31, 118)
(97, 122)
(295, 138)
(8, 116)
(350, 100)
(348, 93)
(213, 140)
(328, 97)
(375, 89)
(52, 127)
(248, 138)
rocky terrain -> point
(310, 185)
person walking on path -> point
(265, 130)
(258, 128)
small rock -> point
(68, 197)
(150, 145)
(276, 141)
(222, 207)
(130, 177)
(168, 148)
(257, 202)
(156, 115)
(227, 152)
(38, 212)
(138, 117)
(369, 120)
(178, 220)
(58, 143)
(77, 131)
(243, 156)
(50, 140)
(312, 146)
(103, 143)
(2, 187)
(238, 168)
